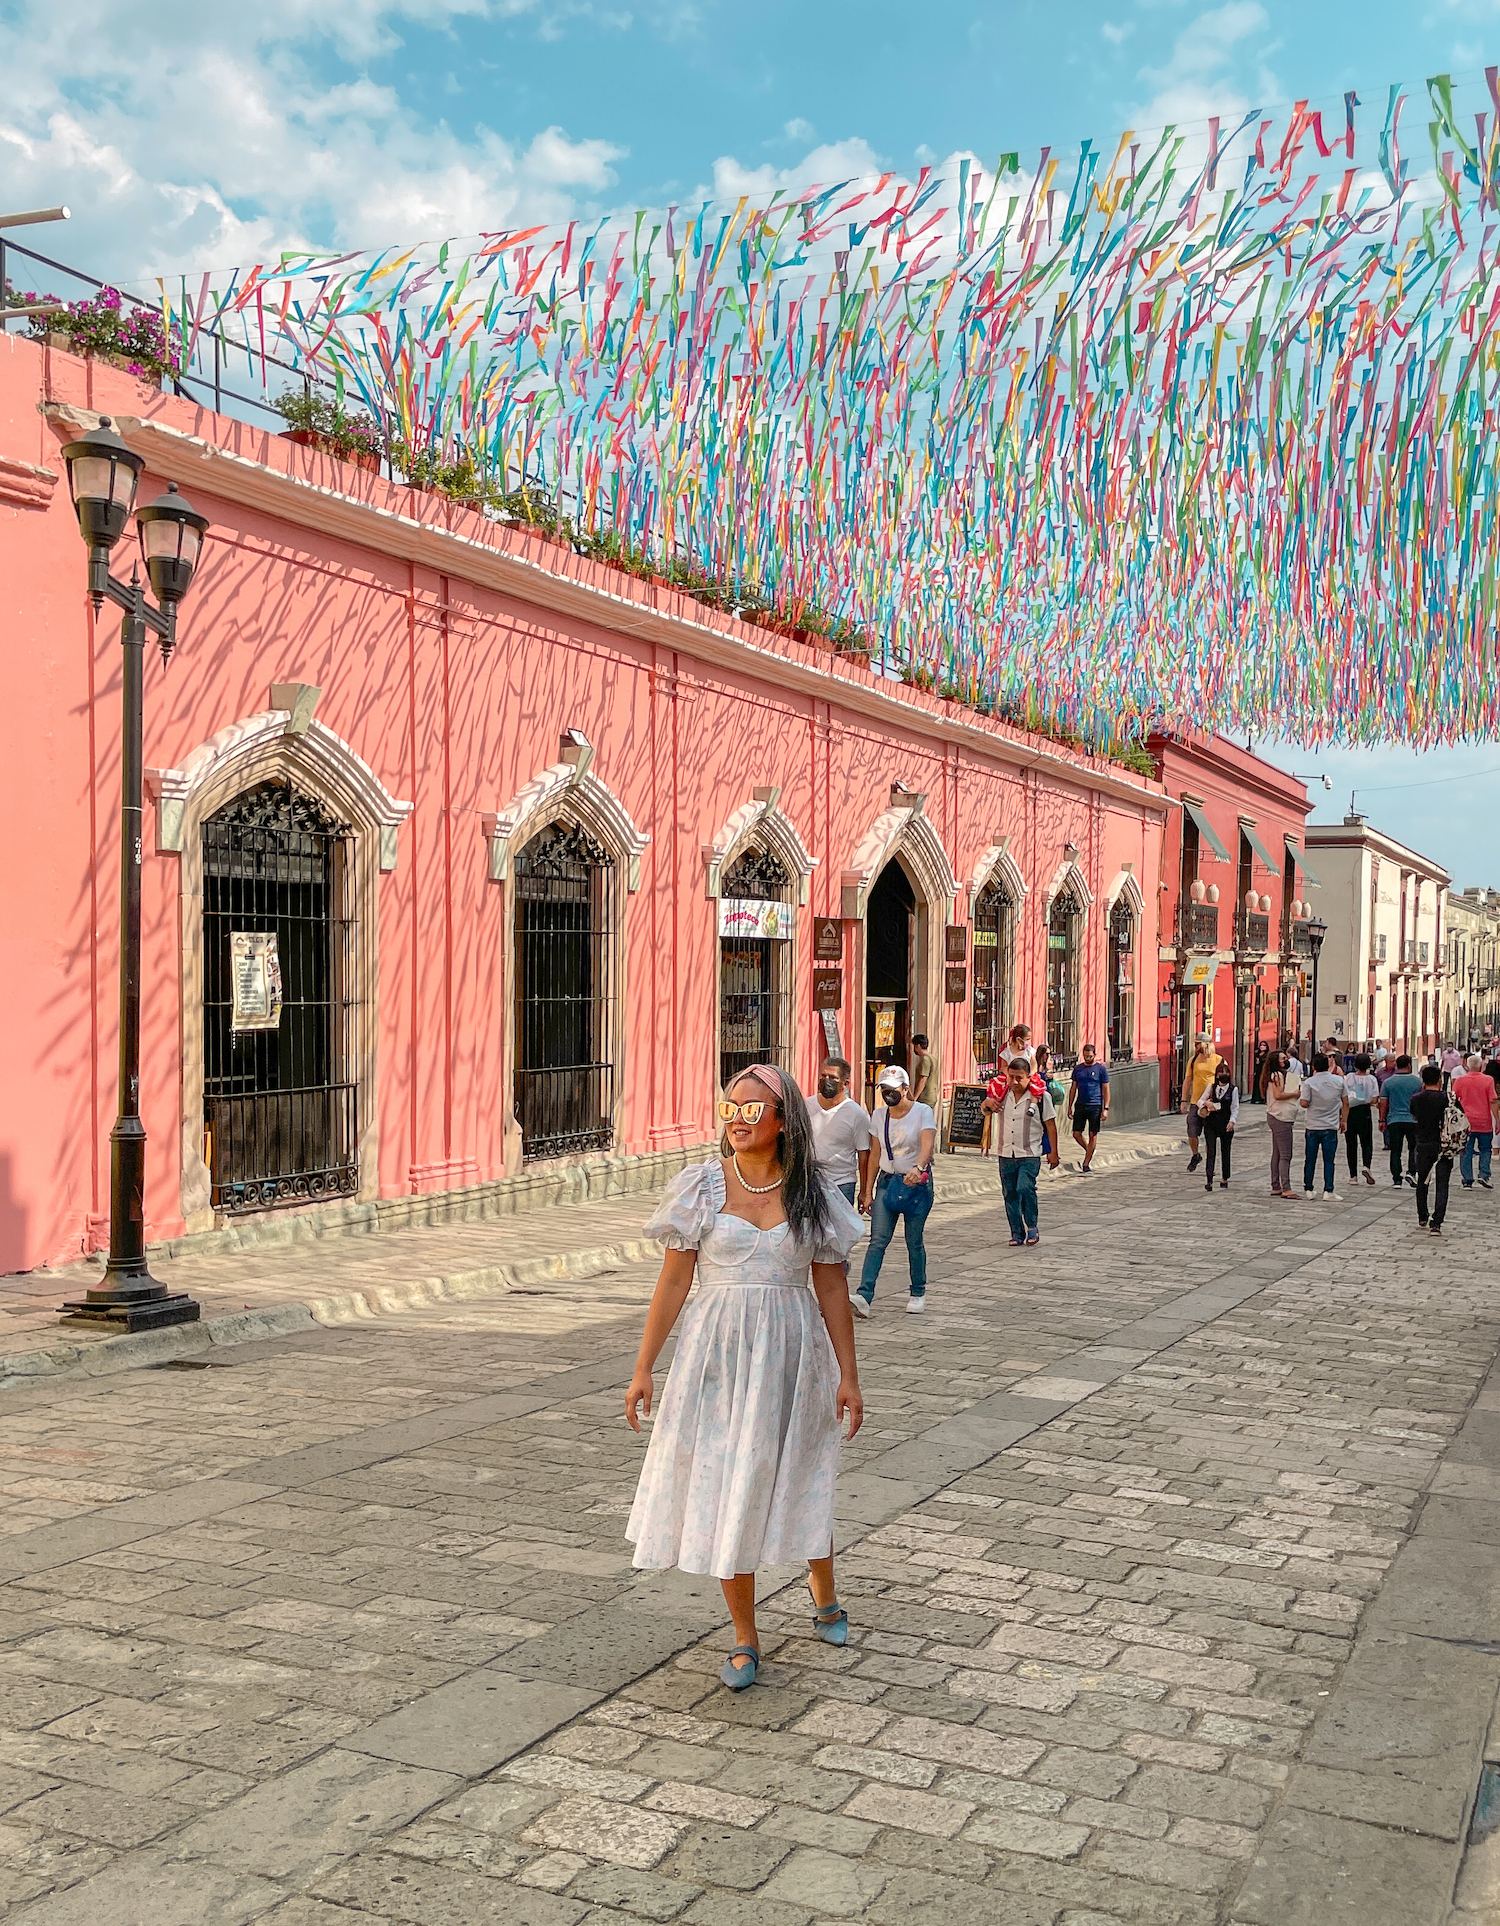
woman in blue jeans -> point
(905, 1136)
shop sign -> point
(1199, 971)
(832, 1042)
(828, 989)
(957, 943)
(828, 939)
(742, 916)
(255, 978)
(955, 983)
(885, 1029)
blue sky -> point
(188, 135)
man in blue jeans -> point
(1026, 1127)
(1326, 1101)
(905, 1136)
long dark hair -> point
(802, 1193)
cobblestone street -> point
(1171, 1548)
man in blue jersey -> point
(1088, 1103)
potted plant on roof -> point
(113, 329)
(316, 420)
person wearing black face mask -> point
(841, 1133)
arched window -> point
(564, 973)
(1120, 967)
(994, 936)
(280, 1095)
(1063, 985)
(757, 925)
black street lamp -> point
(103, 474)
(1317, 929)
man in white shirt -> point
(1326, 1100)
(841, 1133)
(905, 1137)
(1026, 1128)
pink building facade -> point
(543, 853)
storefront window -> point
(994, 936)
(1063, 986)
(757, 928)
(1121, 979)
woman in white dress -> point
(744, 1453)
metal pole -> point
(1314, 1050)
(130, 1295)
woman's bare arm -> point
(832, 1287)
(667, 1300)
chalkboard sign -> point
(965, 1117)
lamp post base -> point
(147, 1308)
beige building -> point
(1471, 980)
(1382, 972)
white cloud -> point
(1195, 82)
(213, 138)
(800, 130)
(1117, 35)
(839, 160)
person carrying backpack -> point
(1441, 1129)
(1026, 1127)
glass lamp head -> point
(103, 474)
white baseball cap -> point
(893, 1077)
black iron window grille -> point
(755, 973)
(1063, 986)
(280, 1105)
(565, 966)
(994, 943)
(1120, 962)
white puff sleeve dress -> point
(744, 1451)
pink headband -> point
(770, 1076)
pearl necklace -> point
(756, 1190)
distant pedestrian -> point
(1396, 1118)
(1196, 1078)
(1260, 1072)
(1325, 1103)
(743, 1459)
(1429, 1108)
(905, 1138)
(1219, 1108)
(841, 1133)
(1480, 1101)
(924, 1072)
(1283, 1114)
(1046, 1069)
(1026, 1129)
(1363, 1093)
(1451, 1063)
(1088, 1103)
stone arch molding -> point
(758, 821)
(997, 865)
(284, 740)
(904, 831)
(1068, 876)
(1125, 885)
(566, 788)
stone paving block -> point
(913, 1898)
(1029, 1833)
(717, 1856)
(292, 1826)
(646, 1895)
(623, 1835)
(445, 1895)
(876, 1763)
(152, 1889)
(1198, 1795)
(736, 1909)
(1315, 1870)
(886, 1805)
(830, 1831)
(706, 1802)
(1164, 1864)
(474, 1723)
(831, 1885)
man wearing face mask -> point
(905, 1136)
(841, 1133)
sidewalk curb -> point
(371, 1302)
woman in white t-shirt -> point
(1363, 1093)
(1283, 1108)
(841, 1133)
(905, 1137)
